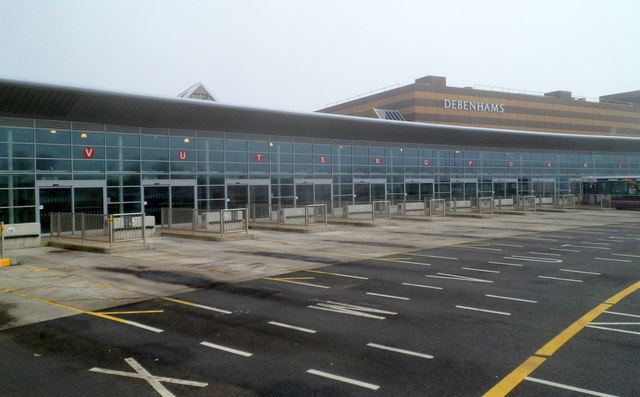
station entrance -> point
(505, 188)
(544, 187)
(418, 189)
(464, 189)
(368, 190)
(313, 191)
(89, 197)
(167, 193)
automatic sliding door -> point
(53, 200)
(412, 191)
(182, 196)
(361, 193)
(155, 199)
(237, 196)
(378, 191)
(304, 194)
(426, 191)
(88, 200)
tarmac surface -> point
(544, 304)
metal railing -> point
(97, 227)
(482, 205)
(194, 221)
(307, 215)
(381, 209)
(2, 240)
(564, 201)
(596, 200)
(437, 208)
(525, 203)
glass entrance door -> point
(182, 196)
(426, 191)
(361, 193)
(378, 191)
(88, 200)
(304, 194)
(237, 196)
(53, 200)
(323, 195)
(457, 190)
(412, 191)
(156, 198)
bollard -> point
(111, 230)
(194, 221)
(144, 230)
(82, 226)
(221, 221)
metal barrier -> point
(437, 207)
(97, 227)
(381, 209)
(358, 211)
(482, 205)
(525, 203)
(2, 240)
(223, 221)
(308, 215)
(564, 201)
(415, 208)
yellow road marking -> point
(512, 380)
(136, 312)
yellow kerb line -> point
(135, 312)
(508, 383)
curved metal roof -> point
(54, 102)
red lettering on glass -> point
(259, 157)
(88, 152)
(182, 154)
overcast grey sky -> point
(301, 55)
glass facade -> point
(121, 169)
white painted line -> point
(624, 331)
(437, 256)
(338, 274)
(569, 237)
(297, 282)
(580, 271)
(560, 279)
(533, 259)
(586, 246)
(345, 308)
(613, 260)
(511, 299)
(389, 296)
(544, 253)
(421, 286)
(606, 323)
(448, 276)
(506, 264)
(283, 325)
(588, 232)
(563, 250)
(343, 379)
(480, 270)
(478, 248)
(148, 377)
(213, 309)
(147, 327)
(622, 314)
(393, 349)
(594, 243)
(483, 310)
(226, 349)
(507, 245)
(567, 387)
(627, 255)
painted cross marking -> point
(154, 381)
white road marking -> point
(296, 282)
(283, 325)
(534, 238)
(345, 308)
(338, 274)
(567, 387)
(569, 237)
(343, 379)
(560, 279)
(594, 243)
(226, 349)
(511, 299)
(436, 256)
(478, 248)
(480, 270)
(483, 310)
(388, 296)
(421, 286)
(147, 327)
(588, 232)
(448, 276)
(622, 314)
(213, 309)
(608, 323)
(507, 245)
(533, 259)
(580, 271)
(586, 246)
(613, 260)
(563, 250)
(544, 253)
(393, 349)
(506, 264)
(624, 331)
(627, 255)
(154, 381)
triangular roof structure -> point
(197, 91)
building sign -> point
(549, 164)
(377, 161)
(469, 163)
(322, 159)
(511, 163)
(182, 154)
(259, 157)
(427, 162)
(585, 165)
(620, 165)
(474, 106)
(88, 152)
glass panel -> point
(238, 196)
(413, 191)
(156, 198)
(182, 196)
(88, 200)
(304, 194)
(53, 200)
